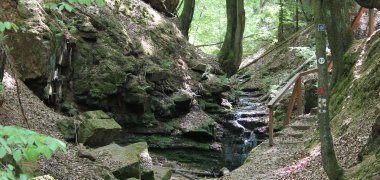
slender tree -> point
(186, 17)
(280, 32)
(329, 161)
(231, 53)
(2, 62)
(339, 34)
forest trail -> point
(288, 154)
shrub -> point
(22, 144)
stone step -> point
(248, 99)
(250, 114)
(252, 123)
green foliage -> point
(210, 22)
(23, 144)
(67, 5)
(7, 26)
(1, 87)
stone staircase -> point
(264, 161)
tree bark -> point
(2, 62)
(186, 17)
(329, 161)
(280, 32)
(297, 15)
(231, 53)
(171, 5)
(339, 35)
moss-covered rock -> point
(214, 85)
(182, 101)
(162, 173)
(97, 128)
(126, 159)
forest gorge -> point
(189, 89)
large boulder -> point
(126, 161)
(97, 128)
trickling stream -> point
(245, 128)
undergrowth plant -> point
(68, 4)
(24, 145)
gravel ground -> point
(42, 120)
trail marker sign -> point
(321, 27)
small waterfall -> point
(239, 137)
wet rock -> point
(224, 171)
(252, 123)
(246, 114)
(97, 129)
(234, 127)
(126, 158)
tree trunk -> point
(231, 53)
(186, 17)
(2, 62)
(171, 5)
(297, 16)
(280, 33)
(339, 35)
(329, 161)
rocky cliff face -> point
(125, 59)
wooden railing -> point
(296, 95)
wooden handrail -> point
(357, 18)
(296, 95)
(283, 90)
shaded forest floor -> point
(42, 120)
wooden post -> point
(270, 126)
(299, 97)
(371, 22)
(292, 102)
(357, 18)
